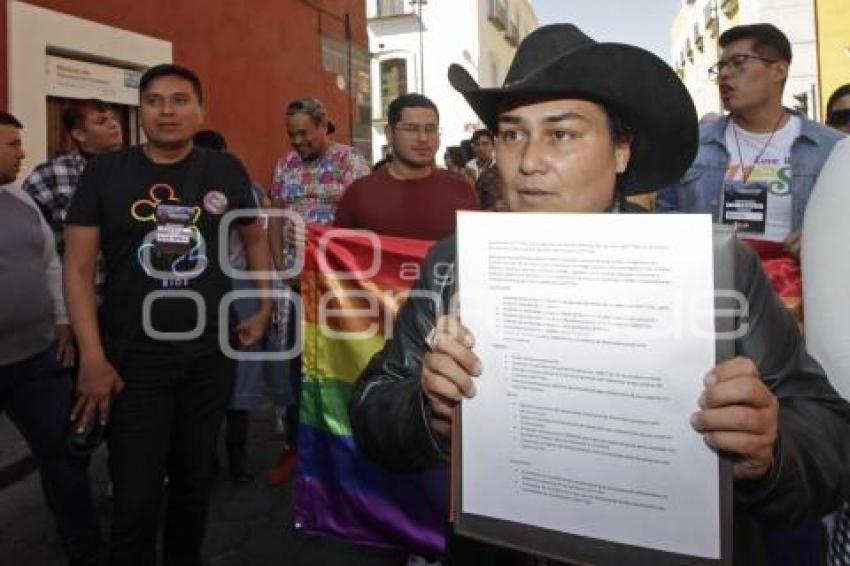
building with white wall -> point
(412, 44)
(699, 23)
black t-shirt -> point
(120, 193)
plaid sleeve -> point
(39, 185)
(43, 186)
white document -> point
(595, 332)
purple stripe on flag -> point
(322, 510)
(341, 491)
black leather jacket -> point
(811, 472)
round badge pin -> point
(215, 202)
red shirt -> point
(420, 208)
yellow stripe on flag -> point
(337, 355)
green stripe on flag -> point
(324, 404)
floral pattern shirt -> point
(313, 189)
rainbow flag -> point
(351, 288)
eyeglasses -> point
(838, 118)
(738, 64)
(416, 129)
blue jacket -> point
(701, 188)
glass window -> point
(390, 8)
(393, 81)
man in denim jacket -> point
(755, 169)
(751, 75)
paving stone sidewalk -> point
(249, 521)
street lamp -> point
(419, 4)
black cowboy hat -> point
(559, 60)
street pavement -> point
(249, 522)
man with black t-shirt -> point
(151, 363)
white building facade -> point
(699, 23)
(413, 42)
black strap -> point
(193, 177)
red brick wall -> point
(4, 84)
(253, 56)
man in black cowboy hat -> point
(580, 125)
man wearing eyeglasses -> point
(411, 198)
(756, 166)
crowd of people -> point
(111, 282)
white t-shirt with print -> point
(772, 173)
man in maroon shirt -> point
(410, 198)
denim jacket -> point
(701, 188)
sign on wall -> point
(69, 78)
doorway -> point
(58, 142)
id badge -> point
(745, 206)
(173, 229)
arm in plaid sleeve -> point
(40, 185)
(51, 185)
